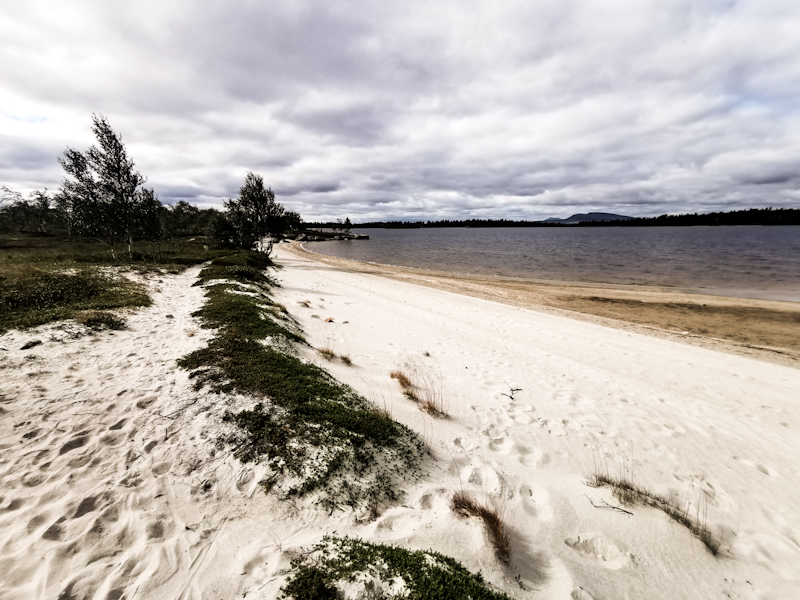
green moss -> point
(426, 575)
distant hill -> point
(587, 217)
(752, 216)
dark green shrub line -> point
(314, 433)
(425, 575)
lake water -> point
(747, 262)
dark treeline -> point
(752, 216)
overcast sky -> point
(417, 109)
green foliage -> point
(314, 432)
(253, 215)
(50, 278)
(98, 319)
(425, 575)
(31, 297)
(103, 195)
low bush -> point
(101, 319)
(34, 296)
(382, 572)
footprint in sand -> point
(461, 444)
(767, 470)
(535, 501)
(162, 468)
(74, 443)
(146, 401)
(244, 479)
(604, 552)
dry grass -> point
(466, 506)
(402, 379)
(423, 388)
(346, 359)
(326, 353)
(629, 493)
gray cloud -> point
(417, 109)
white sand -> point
(121, 516)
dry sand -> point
(764, 329)
(112, 486)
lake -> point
(746, 262)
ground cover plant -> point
(50, 278)
(35, 296)
(378, 571)
(466, 506)
(314, 433)
(628, 492)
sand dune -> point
(114, 485)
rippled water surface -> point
(750, 262)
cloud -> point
(417, 109)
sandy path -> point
(110, 486)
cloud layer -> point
(417, 109)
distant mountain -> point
(592, 216)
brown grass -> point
(629, 493)
(402, 379)
(346, 359)
(327, 353)
(466, 506)
(422, 387)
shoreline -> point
(767, 330)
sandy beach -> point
(114, 484)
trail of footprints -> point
(92, 475)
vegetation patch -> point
(313, 432)
(99, 319)
(349, 568)
(420, 385)
(466, 506)
(34, 296)
(629, 493)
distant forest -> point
(752, 216)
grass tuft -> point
(629, 493)
(466, 506)
(402, 379)
(346, 359)
(420, 386)
(327, 353)
(381, 572)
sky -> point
(412, 110)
